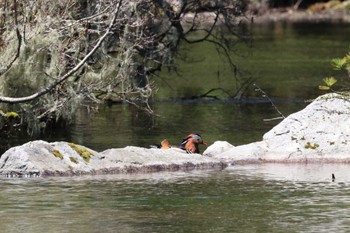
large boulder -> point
(318, 133)
(40, 158)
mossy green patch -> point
(11, 115)
(74, 160)
(84, 153)
(57, 154)
(310, 146)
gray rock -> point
(217, 147)
(318, 133)
(40, 158)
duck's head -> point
(195, 138)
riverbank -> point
(300, 16)
(280, 15)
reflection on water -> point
(120, 126)
(286, 60)
(254, 198)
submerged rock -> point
(318, 133)
(40, 158)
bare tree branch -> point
(208, 32)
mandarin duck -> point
(189, 144)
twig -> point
(270, 100)
(206, 94)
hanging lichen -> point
(56, 54)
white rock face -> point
(320, 132)
(217, 147)
(37, 158)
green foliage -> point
(329, 81)
(342, 63)
(338, 64)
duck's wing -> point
(191, 148)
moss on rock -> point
(73, 160)
(84, 153)
(310, 146)
(57, 154)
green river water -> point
(251, 198)
(288, 62)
